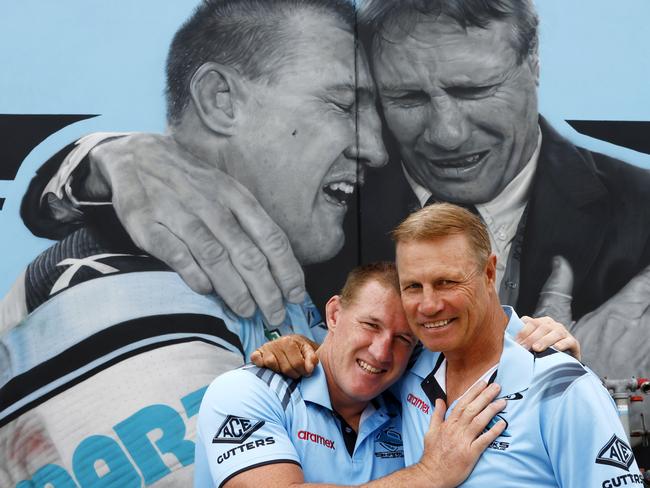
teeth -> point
(365, 366)
(343, 186)
(437, 324)
(470, 160)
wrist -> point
(429, 477)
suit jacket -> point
(590, 208)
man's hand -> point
(198, 220)
(541, 333)
(293, 355)
(452, 446)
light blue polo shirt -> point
(251, 417)
(562, 426)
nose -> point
(447, 125)
(430, 302)
(381, 348)
(369, 147)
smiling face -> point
(368, 345)
(461, 107)
(303, 134)
(448, 297)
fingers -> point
(250, 250)
(475, 400)
(541, 333)
(485, 417)
(556, 295)
(570, 345)
(209, 255)
(310, 358)
(291, 355)
(270, 240)
(486, 438)
(438, 416)
(265, 360)
(173, 252)
(257, 358)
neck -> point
(466, 365)
(208, 151)
(348, 408)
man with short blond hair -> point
(562, 426)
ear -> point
(533, 65)
(491, 269)
(332, 312)
(216, 91)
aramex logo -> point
(305, 435)
(418, 402)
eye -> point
(471, 92)
(411, 287)
(345, 107)
(405, 340)
(445, 283)
(370, 325)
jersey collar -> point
(314, 388)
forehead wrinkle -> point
(448, 60)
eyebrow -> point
(492, 79)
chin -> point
(314, 251)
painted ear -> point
(215, 90)
(533, 63)
(332, 311)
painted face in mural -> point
(301, 142)
(461, 107)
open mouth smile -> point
(438, 324)
(368, 368)
(339, 192)
(466, 162)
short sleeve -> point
(241, 425)
(585, 439)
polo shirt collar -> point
(516, 365)
(314, 388)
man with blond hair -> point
(562, 426)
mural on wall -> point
(238, 175)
